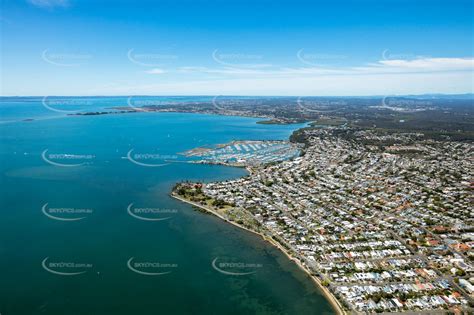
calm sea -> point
(85, 230)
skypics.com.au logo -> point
(150, 159)
(141, 104)
(150, 214)
(65, 59)
(66, 159)
(231, 267)
(68, 105)
(65, 268)
(147, 268)
(65, 214)
(316, 59)
(150, 59)
(319, 106)
(402, 104)
(238, 60)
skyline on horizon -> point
(84, 48)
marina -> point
(245, 153)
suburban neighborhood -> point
(383, 221)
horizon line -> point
(243, 95)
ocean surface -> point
(85, 230)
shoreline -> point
(333, 301)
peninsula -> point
(380, 220)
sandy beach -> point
(329, 296)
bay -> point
(107, 240)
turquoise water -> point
(105, 182)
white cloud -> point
(432, 63)
(422, 65)
(385, 77)
(323, 85)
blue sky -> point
(79, 47)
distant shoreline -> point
(333, 301)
